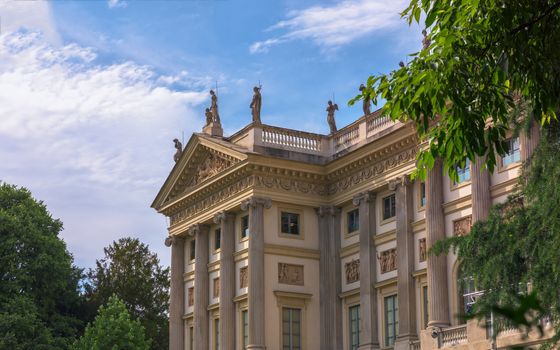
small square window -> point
(290, 223)
(389, 207)
(513, 153)
(422, 194)
(464, 174)
(245, 226)
(192, 249)
(353, 218)
(217, 239)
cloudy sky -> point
(93, 92)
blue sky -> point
(93, 92)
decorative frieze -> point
(190, 296)
(290, 274)
(243, 277)
(352, 270)
(388, 260)
(462, 226)
(422, 249)
(216, 288)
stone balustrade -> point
(452, 336)
(415, 345)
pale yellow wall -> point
(383, 226)
(309, 230)
(213, 255)
(240, 244)
(347, 238)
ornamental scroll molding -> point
(462, 226)
(388, 260)
(352, 270)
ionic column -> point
(480, 190)
(405, 262)
(329, 281)
(368, 294)
(177, 292)
(529, 140)
(256, 206)
(438, 300)
(201, 337)
(227, 279)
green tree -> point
(134, 274)
(483, 61)
(525, 230)
(40, 303)
(113, 329)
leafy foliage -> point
(131, 272)
(114, 329)
(518, 245)
(40, 303)
(462, 91)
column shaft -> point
(480, 190)
(201, 335)
(177, 292)
(405, 263)
(368, 294)
(438, 299)
(529, 140)
(227, 279)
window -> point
(464, 174)
(245, 328)
(191, 338)
(192, 249)
(513, 154)
(422, 194)
(216, 334)
(217, 239)
(466, 288)
(425, 302)
(354, 321)
(389, 209)
(290, 223)
(291, 329)
(391, 319)
(245, 226)
(353, 218)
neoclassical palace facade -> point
(284, 239)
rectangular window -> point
(354, 321)
(192, 249)
(191, 338)
(389, 208)
(245, 226)
(245, 328)
(422, 194)
(217, 239)
(216, 334)
(291, 329)
(353, 218)
(391, 319)
(513, 154)
(290, 223)
(425, 301)
(464, 174)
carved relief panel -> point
(216, 288)
(388, 260)
(190, 296)
(462, 226)
(290, 274)
(352, 270)
(422, 249)
(243, 277)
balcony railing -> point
(452, 336)
(415, 345)
(292, 139)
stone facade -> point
(324, 233)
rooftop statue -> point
(366, 104)
(426, 42)
(256, 105)
(209, 116)
(214, 107)
(330, 116)
(179, 147)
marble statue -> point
(179, 147)
(256, 105)
(366, 104)
(330, 116)
(214, 107)
(209, 116)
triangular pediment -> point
(202, 159)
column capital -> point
(196, 229)
(326, 210)
(403, 180)
(256, 201)
(172, 240)
(367, 197)
(222, 217)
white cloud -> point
(330, 27)
(116, 3)
(16, 15)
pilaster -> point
(438, 299)
(330, 281)
(256, 206)
(368, 294)
(227, 279)
(201, 336)
(177, 292)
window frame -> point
(242, 229)
(514, 162)
(395, 323)
(291, 346)
(290, 215)
(351, 346)
(464, 182)
(192, 250)
(244, 337)
(301, 222)
(217, 239)
(422, 188)
(393, 206)
(355, 212)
